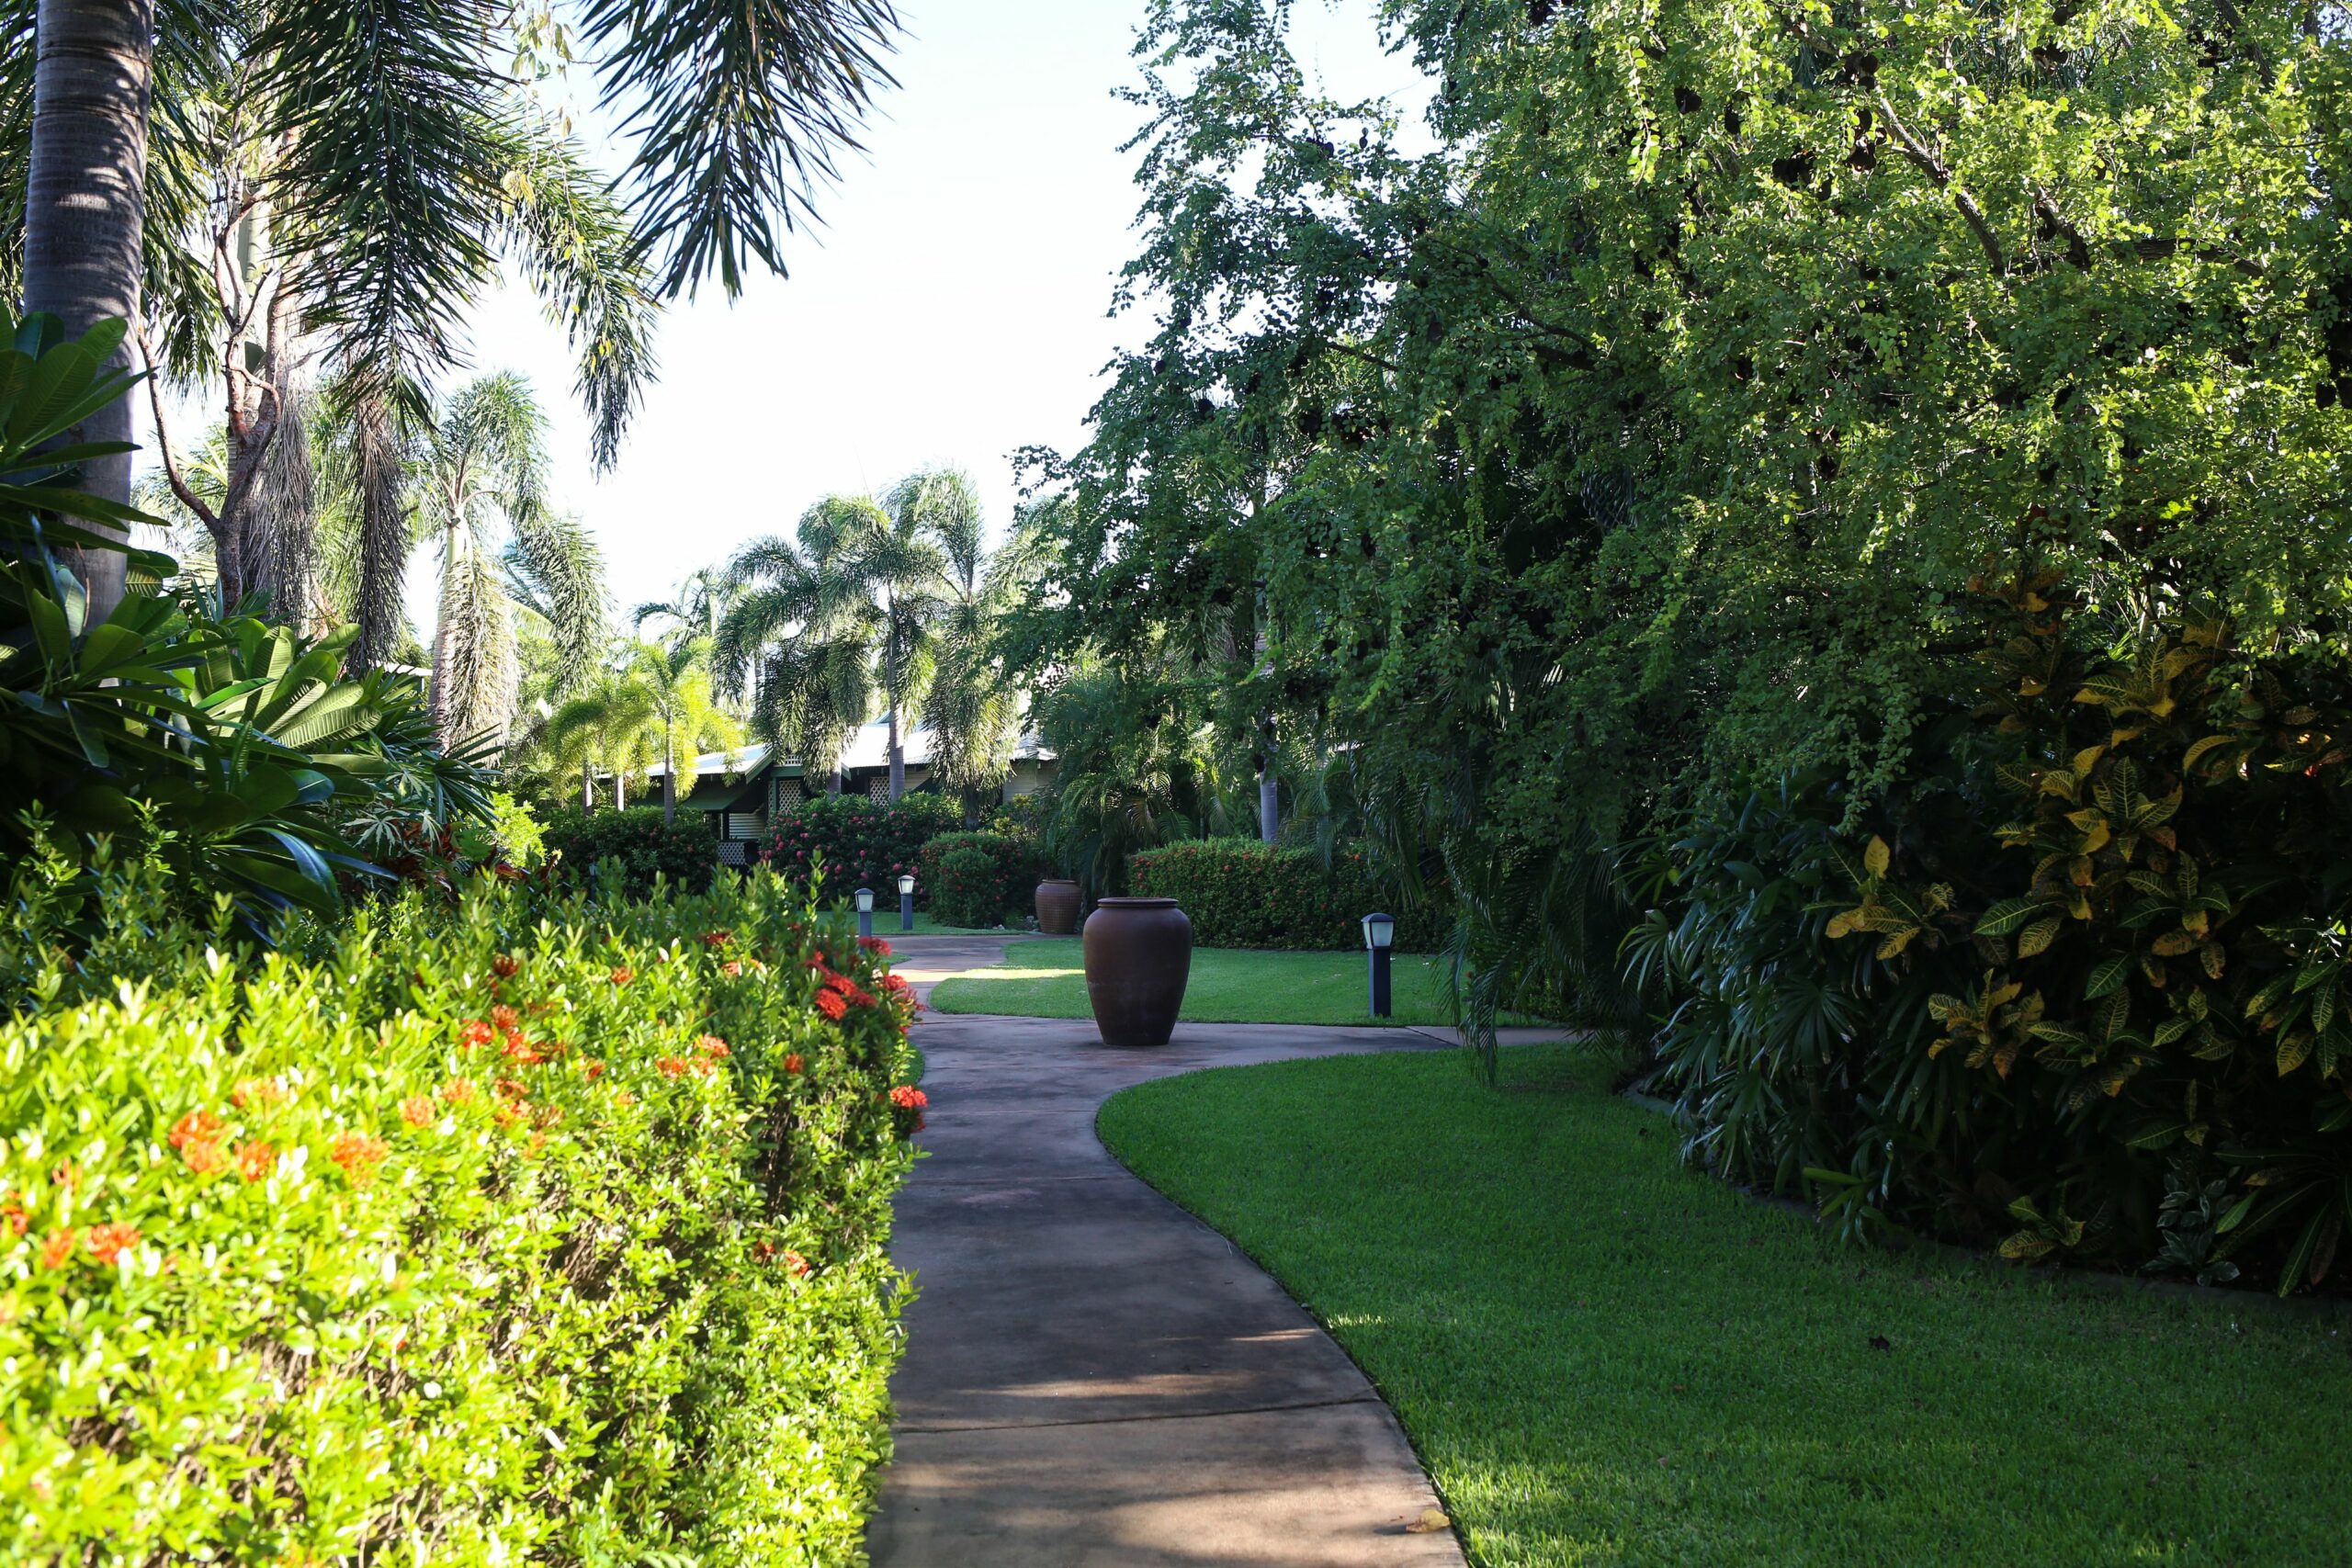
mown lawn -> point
(1605, 1357)
(1047, 980)
(886, 921)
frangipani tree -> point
(401, 165)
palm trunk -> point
(383, 531)
(669, 782)
(444, 642)
(93, 75)
(898, 753)
(619, 785)
(587, 787)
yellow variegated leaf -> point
(2173, 943)
(1893, 945)
(2087, 758)
(1875, 856)
(2037, 937)
(1842, 925)
(2293, 1050)
(2025, 1247)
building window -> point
(878, 789)
(784, 796)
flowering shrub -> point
(1242, 893)
(685, 854)
(976, 879)
(511, 1230)
(860, 843)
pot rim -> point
(1133, 901)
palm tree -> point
(692, 611)
(676, 683)
(611, 724)
(798, 644)
(973, 705)
(398, 130)
(898, 558)
(482, 465)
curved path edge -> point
(1093, 1376)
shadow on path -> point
(1094, 1378)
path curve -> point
(1093, 1378)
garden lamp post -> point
(906, 901)
(1379, 932)
(865, 912)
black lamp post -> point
(906, 901)
(1379, 930)
(866, 911)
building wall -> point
(1028, 776)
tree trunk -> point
(383, 531)
(669, 783)
(619, 785)
(587, 787)
(444, 642)
(93, 75)
(898, 753)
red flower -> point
(830, 1003)
(793, 1261)
(730, 968)
(591, 1070)
(358, 1154)
(712, 1045)
(458, 1091)
(505, 1019)
(521, 1052)
(673, 1066)
(875, 945)
(622, 975)
(195, 1127)
(718, 939)
(256, 1092)
(416, 1110)
(58, 1249)
(504, 967)
(792, 1063)
(906, 1097)
(623, 1099)
(108, 1243)
(12, 1214)
(475, 1032)
(255, 1161)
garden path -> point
(1094, 1378)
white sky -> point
(952, 309)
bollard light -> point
(866, 911)
(1379, 932)
(906, 901)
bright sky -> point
(952, 309)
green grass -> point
(1046, 979)
(885, 922)
(1605, 1357)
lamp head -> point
(906, 882)
(866, 900)
(1379, 930)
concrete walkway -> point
(1094, 1378)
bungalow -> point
(765, 788)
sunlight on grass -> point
(1047, 980)
(1606, 1357)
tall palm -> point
(387, 116)
(904, 566)
(478, 484)
(693, 610)
(973, 705)
(676, 683)
(798, 645)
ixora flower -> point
(358, 1154)
(58, 1250)
(830, 1004)
(416, 1110)
(711, 1045)
(906, 1097)
(255, 1161)
(792, 1063)
(504, 966)
(108, 1243)
(875, 945)
(252, 1092)
(475, 1032)
(622, 975)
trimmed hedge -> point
(510, 1230)
(1242, 893)
(860, 843)
(686, 853)
(976, 879)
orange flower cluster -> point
(416, 1110)
(906, 1097)
(255, 1161)
(358, 1154)
(475, 1032)
(830, 1003)
(504, 966)
(732, 968)
(108, 1243)
(792, 1062)
(258, 1094)
(199, 1137)
(12, 1218)
(622, 975)
(711, 1045)
(875, 945)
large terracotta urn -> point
(1057, 906)
(1138, 955)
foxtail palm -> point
(798, 646)
(481, 468)
(677, 683)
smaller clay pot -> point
(1138, 957)
(1057, 906)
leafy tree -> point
(416, 169)
(693, 610)
(610, 725)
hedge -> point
(860, 843)
(977, 879)
(685, 854)
(506, 1230)
(1242, 893)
